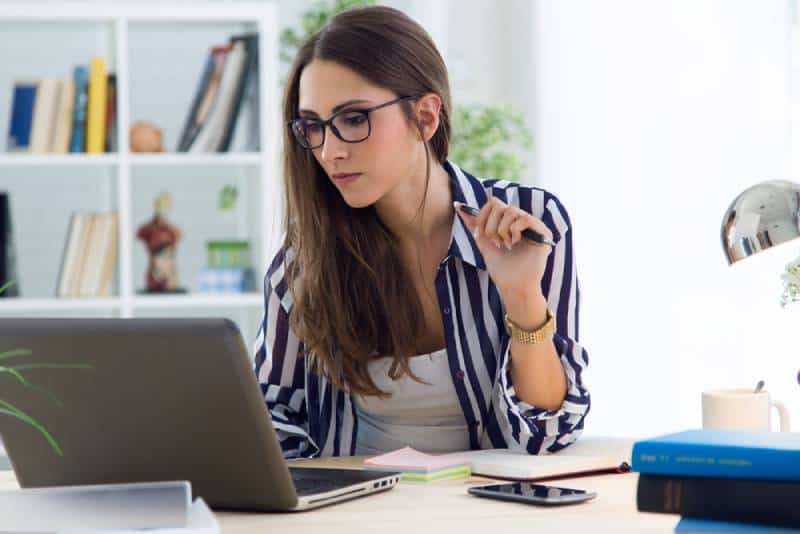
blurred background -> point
(646, 118)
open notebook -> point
(594, 456)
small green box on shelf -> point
(228, 253)
(228, 269)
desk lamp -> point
(764, 216)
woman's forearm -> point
(536, 370)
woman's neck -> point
(400, 209)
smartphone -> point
(532, 493)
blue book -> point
(78, 138)
(21, 120)
(689, 525)
(721, 453)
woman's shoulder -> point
(536, 200)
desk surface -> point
(445, 506)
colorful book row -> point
(61, 116)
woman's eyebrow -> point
(335, 108)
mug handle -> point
(783, 414)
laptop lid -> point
(161, 399)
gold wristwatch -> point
(543, 333)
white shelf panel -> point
(198, 300)
(57, 304)
(222, 159)
(58, 160)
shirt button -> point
(460, 374)
(446, 310)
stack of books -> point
(90, 255)
(60, 116)
(228, 83)
(748, 479)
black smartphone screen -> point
(532, 493)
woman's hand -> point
(515, 264)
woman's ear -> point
(427, 111)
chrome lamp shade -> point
(760, 218)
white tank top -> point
(427, 417)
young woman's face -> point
(363, 172)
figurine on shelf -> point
(146, 137)
(160, 238)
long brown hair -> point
(353, 297)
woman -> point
(392, 317)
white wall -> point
(650, 117)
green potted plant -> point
(487, 140)
(14, 372)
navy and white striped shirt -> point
(314, 418)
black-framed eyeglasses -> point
(350, 125)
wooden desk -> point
(441, 507)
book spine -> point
(747, 501)
(78, 139)
(111, 114)
(695, 459)
(191, 120)
(250, 43)
(63, 118)
(19, 129)
(96, 114)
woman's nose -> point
(333, 147)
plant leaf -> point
(13, 411)
(14, 353)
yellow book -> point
(96, 112)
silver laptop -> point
(151, 400)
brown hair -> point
(349, 287)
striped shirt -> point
(312, 417)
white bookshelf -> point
(258, 203)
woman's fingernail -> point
(497, 244)
(475, 233)
(508, 246)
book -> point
(721, 453)
(80, 78)
(690, 525)
(44, 116)
(771, 502)
(69, 257)
(111, 114)
(191, 119)
(210, 136)
(512, 465)
(8, 261)
(205, 97)
(109, 257)
(21, 117)
(63, 118)
(248, 71)
(96, 108)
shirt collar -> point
(468, 190)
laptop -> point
(155, 400)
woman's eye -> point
(313, 128)
(354, 119)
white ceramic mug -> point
(742, 409)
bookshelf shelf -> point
(58, 160)
(120, 32)
(58, 304)
(222, 159)
(203, 300)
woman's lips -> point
(345, 178)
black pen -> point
(530, 235)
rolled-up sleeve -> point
(533, 429)
(280, 369)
